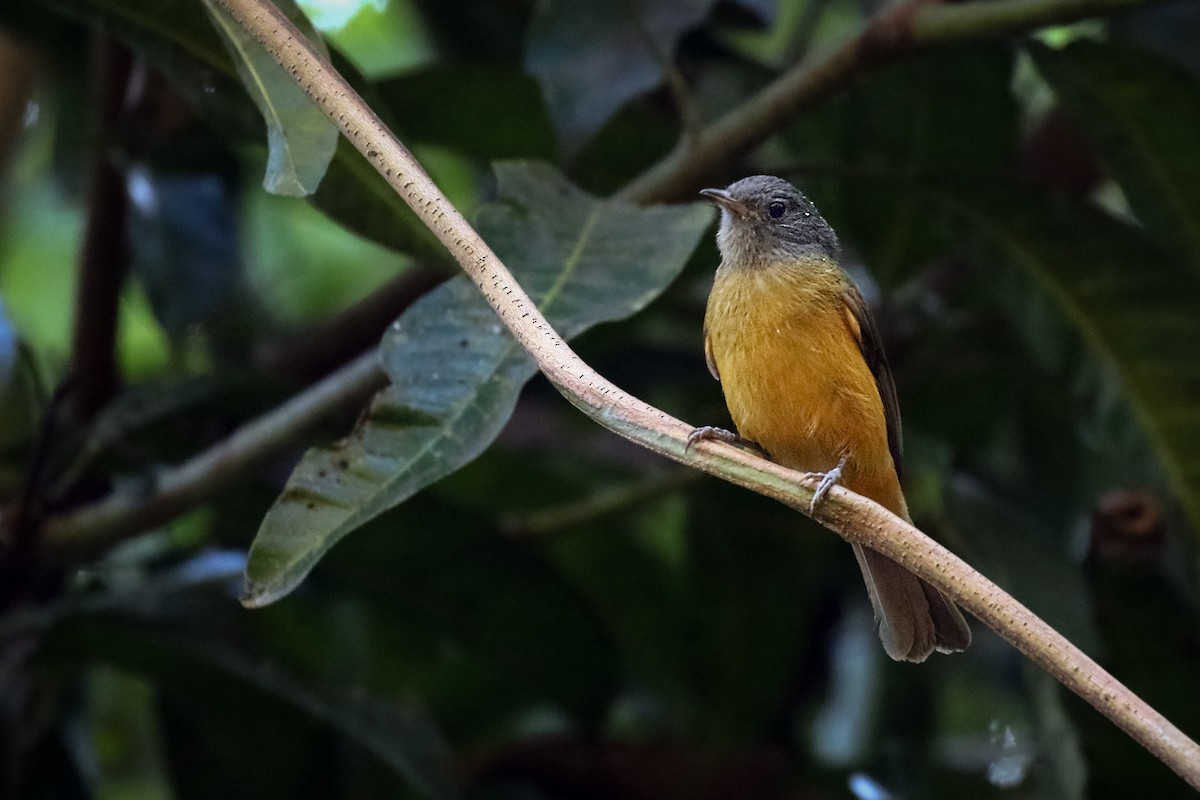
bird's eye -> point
(776, 209)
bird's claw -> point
(709, 433)
(828, 481)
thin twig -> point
(90, 530)
(855, 518)
(596, 506)
(685, 102)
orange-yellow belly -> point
(794, 377)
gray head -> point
(765, 220)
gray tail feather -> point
(914, 618)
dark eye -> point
(776, 209)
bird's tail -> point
(914, 618)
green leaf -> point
(455, 370)
(208, 680)
(176, 37)
(1141, 113)
(301, 140)
(356, 196)
(460, 616)
(1024, 556)
(485, 111)
(174, 627)
(1133, 307)
(591, 58)
(948, 112)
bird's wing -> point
(709, 358)
(858, 317)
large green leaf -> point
(455, 370)
(175, 627)
(1120, 95)
(1136, 310)
(176, 37)
(301, 140)
(1142, 113)
(356, 196)
(591, 58)
(947, 112)
(490, 112)
(459, 616)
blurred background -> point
(569, 616)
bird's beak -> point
(724, 200)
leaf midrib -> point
(239, 44)
(504, 355)
(1171, 462)
(1139, 142)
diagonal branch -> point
(88, 531)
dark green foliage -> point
(456, 373)
(1119, 96)
(522, 605)
(591, 59)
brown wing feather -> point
(871, 347)
(709, 358)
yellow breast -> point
(793, 375)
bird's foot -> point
(711, 433)
(828, 481)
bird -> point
(802, 368)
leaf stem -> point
(957, 22)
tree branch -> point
(90, 530)
(104, 258)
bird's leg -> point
(709, 433)
(828, 479)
